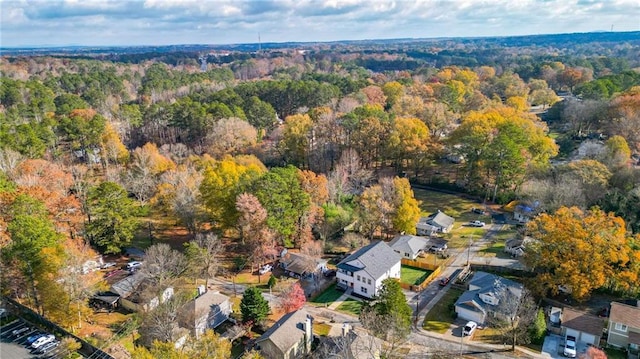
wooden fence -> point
(435, 272)
(418, 264)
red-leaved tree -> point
(292, 298)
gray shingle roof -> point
(408, 244)
(488, 284)
(300, 263)
(440, 219)
(128, 285)
(375, 259)
(287, 331)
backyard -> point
(441, 316)
(351, 306)
(457, 207)
(413, 275)
(327, 297)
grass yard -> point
(328, 296)
(413, 275)
(615, 353)
(456, 207)
(321, 329)
(350, 306)
(495, 250)
(440, 317)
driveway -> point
(552, 346)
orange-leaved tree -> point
(582, 251)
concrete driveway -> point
(552, 346)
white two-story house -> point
(364, 270)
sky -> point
(27, 23)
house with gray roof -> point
(299, 265)
(435, 223)
(488, 294)
(138, 294)
(289, 338)
(409, 246)
(207, 311)
(363, 271)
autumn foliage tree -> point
(583, 250)
(292, 298)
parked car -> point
(265, 269)
(438, 248)
(108, 265)
(477, 210)
(3, 312)
(43, 340)
(34, 337)
(20, 330)
(477, 224)
(134, 266)
(330, 273)
(469, 328)
(570, 347)
(48, 347)
(444, 281)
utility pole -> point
(469, 248)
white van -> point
(469, 328)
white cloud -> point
(121, 22)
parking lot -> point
(14, 345)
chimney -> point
(308, 333)
(345, 329)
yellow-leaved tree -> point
(582, 251)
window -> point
(358, 278)
(363, 289)
(369, 281)
(621, 327)
(406, 255)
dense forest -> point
(288, 145)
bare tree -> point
(388, 327)
(9, 160)
(231, 136)
(513, 313)
(202, 253)
(161, 263)
(161, 323)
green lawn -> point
(328, 296)
(615, 353)
(350, 306)
(413, 275)
(495, 250)
(456, 207)
(321, 329)
(440, 317)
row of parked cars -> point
(36, 341)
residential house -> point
(300, 265)
(207, 311)
(523, 211)
(435, 223)
(516, 246)
(353, 343)
(290, 337)
(484, 296)
(586, 328)
(138, 294)
(364, 270)
(624, 327)
(409, 246)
